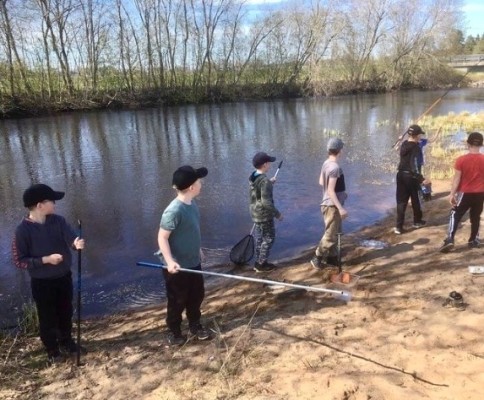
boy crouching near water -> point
(42, 245)
(179, 240)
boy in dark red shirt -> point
(467, 192)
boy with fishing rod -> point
(42, 245)
(179, 241)
(410, 179)
(262, 210)
(332, 180)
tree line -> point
(468, 45)
(74, 54)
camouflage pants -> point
(265, 235)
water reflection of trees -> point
(116, 168)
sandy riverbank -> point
(394, 340)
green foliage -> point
(474, 44)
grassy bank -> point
(259, 85)
(447, 135)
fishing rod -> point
(435, 103)
(277, 170)
(338, 294)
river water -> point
(116, 169)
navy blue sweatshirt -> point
(34, 240)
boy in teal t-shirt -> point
(179, 241)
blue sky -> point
(473, 13)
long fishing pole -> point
(436, 102)
(79, 253)
(339, 294)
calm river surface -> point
(116, 168)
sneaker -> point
(264, 267)
(419, 224)
(55, 357)
(70, 347)
(473, 244)
(200, 332)
(455, 300)
(447, 245)
(398, 231)
(317, 262)
(176, 339)
(332, 260)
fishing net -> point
(243, 251)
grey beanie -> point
(335, 144)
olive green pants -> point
(333, 224)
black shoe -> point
(332, 260)
(447, 245)
(70, 347)
(419, 224)
(264, 267)
(55, 357)
(473, 244)
(200, 332)
(176, 339)
(317, 262)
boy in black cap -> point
(410, 179)
(467, 192)
(262, 210)
(42, 246)
(179, 240)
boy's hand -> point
(273, 179)
(78, 243)
(343, 213)
(53, 259)
(173, 268)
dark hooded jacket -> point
(262, 206)
(410, 156)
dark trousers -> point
(184, 291)
(53, 299)
(408, 187)
(467, 201)
(266, 234)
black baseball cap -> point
(38, 193)
(475, 139)
(414, 130)
(261, 158)
(186, 176)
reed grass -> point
(28, 322)
(442, 131)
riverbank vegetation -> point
(65, 54)
(447, 135)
